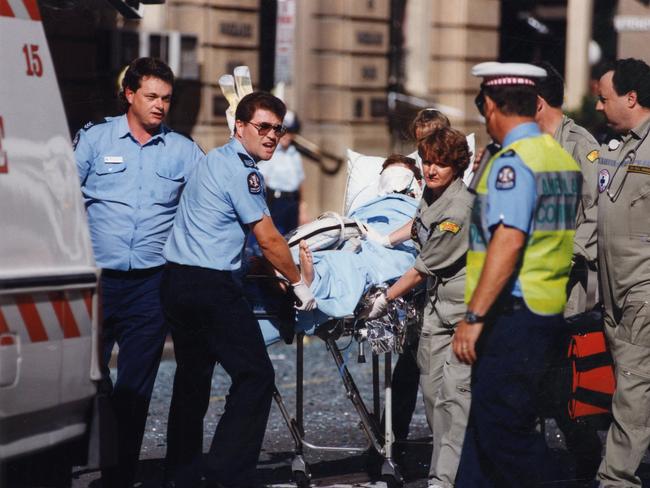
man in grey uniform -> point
(578, 142)
(581, 438)
(624, 264)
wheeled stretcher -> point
(344, 276)
(384, 336)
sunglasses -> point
(264, 128)
(479, 101)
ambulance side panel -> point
(48, 277)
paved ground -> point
(330, 420)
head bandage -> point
(398, 179)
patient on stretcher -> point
(338, 278)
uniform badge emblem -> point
(613, 144)
(593, 155)
(254, 184)
(603, 180)
(506, 178)
(449, 226)
(247, 160)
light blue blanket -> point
(341, 277)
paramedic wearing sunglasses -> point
(440, 232)
(133, 169)
(210, 319)
(518, 263)
(623, 259)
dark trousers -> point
(406, 380)
(284, 211)
(211, 322)
(133, 319)
(502, 447)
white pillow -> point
(363, 180)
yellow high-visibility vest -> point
(546, 261)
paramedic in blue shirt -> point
(521, 244)
(283, 177)
(210, 319)
(132, 170)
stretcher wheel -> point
(392, 481)
(301, 479)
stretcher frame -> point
(380, 442)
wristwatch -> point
(473, 318)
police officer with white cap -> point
(521, 242)
(210, 318)
(624, 261)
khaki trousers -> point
(629, 435)
(445, 384)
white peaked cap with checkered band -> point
(508, 74)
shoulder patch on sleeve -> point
(593, 155)
(254, 183)
(449, 226)
(247, 160)
(75, 141)
(506, 178)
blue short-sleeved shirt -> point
(284, 170)
(131, 191)
(225, 194)
(512, 191)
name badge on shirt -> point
(113, 159)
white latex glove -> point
(304, 297)
(371, 234)
(376, 309)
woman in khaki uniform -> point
(441, 232)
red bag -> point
(593, 380)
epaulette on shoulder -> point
(93, 123)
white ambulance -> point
(49, 367)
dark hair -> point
(513, 99)
(632, 75)
(252, 102)
(448, 146)
(406, 161)
(428, 119)
(551, 88)
(141, 68)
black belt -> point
(191, 267)
(509, 303)
(132, 274)
(271, 193)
